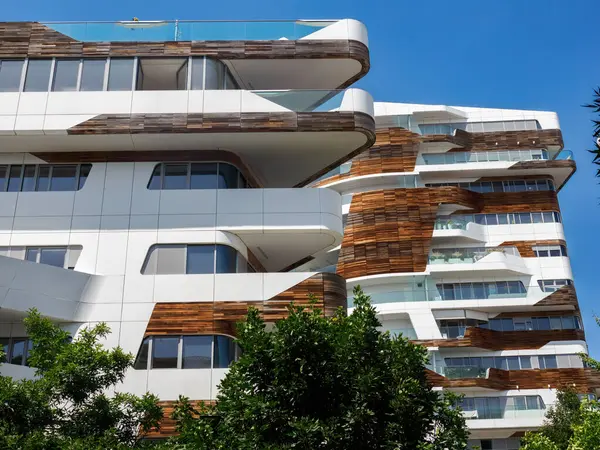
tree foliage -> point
(68, 405)
(324, 383)
(595, 107)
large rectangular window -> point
(120, 74)
(200, 259)
(10, 75)
(92, 75)
(37, 78)
(197, 351)
(165, 352)
(29, 178)
(66, 73)
(209, 175)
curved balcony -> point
(484, 261)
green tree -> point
(537, 441)
(586, 435)
(324, 383)
(595, 107)
(68, 405)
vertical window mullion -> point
(214, 258)
(79, 75)
(23, 75)
(52, 74)
(106, 72)
(22, 178)
(188, 81)
(212, 352)
(135, 73)
(204, 74)
(149, 359)
(188, 181)
(180, 353)
(50, 173)
(162, 176)
(185, 258)
(77, 169)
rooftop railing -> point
(188, 30)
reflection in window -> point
(484, 290)
(66, 72)
(16, 350)
(120, 74)
(164, 352)
(554, 285)
(485, 187)
(172, 259)
(10, 75)
(544, 251)
(460, 221)
(92, 75)
(26, 178)
(187, 352)
(51, 256)
(37, 78)
(211, 74)
(197, 176)
(533, 323)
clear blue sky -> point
(522, 54)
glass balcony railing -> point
(467, 255)
(408, 333)
(454, 373)
(186, 30)
(493, 156)
(499, 413)
(415, 295)
(564, 154)
(455, 223)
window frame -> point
(9, 353)
(242, 181)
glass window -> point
(84, 172)
(525, 217)
(215, 71)
(501, 362)
(43, 180)
(3, 170)
(556, 217)
(32, 254)
(496, 324)
(487, 362)
(537, 217)
(154, 183)
(198, 73)
(4, 347)
(555, 323)
(120, 74)
(28, 179)
(507, 325)
(10, 75)
(14, 179)
(491, 219)
(204, 176)
(502, 219)
(38, 75)
(141, 362)
(568, 323)
(92, 75)
(63, 178)
(225, 352)
(519, 403)
(66, 72)
(466, 291)
(548, 362)
(53, 256)
(200, 259)
(478, 290)
(541, 323)
(226, 259)
(554, 251)
(164, 352)
(525, 362)
(196, 352)
(228, 176)
(532, 402)
(175, 176)
(548, 217)
(513, 363)
(17, 352)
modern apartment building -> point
(163, 176)
(151, 177)
(452, 225)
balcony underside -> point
(282, 149)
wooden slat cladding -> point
(526, 247)
(390, 231)
(226, 123)
(509, 140)
(565, 296)
(505, 340)
(584, 380)
(32, 39)
(150, 156)
(167, 424)
(221, 317)
(394, 150)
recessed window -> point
(66, 73)
(484, 187)
(37, 78)
(172, 176)
(186, 352)
(10, 75)
(15, 178)
(92, 75)
(52, 256)
(485, 290)
(16, 350)
(172, 259)
(211, 74)
(120, 74)
(545, 251)
(547, 362)
(554, 285)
